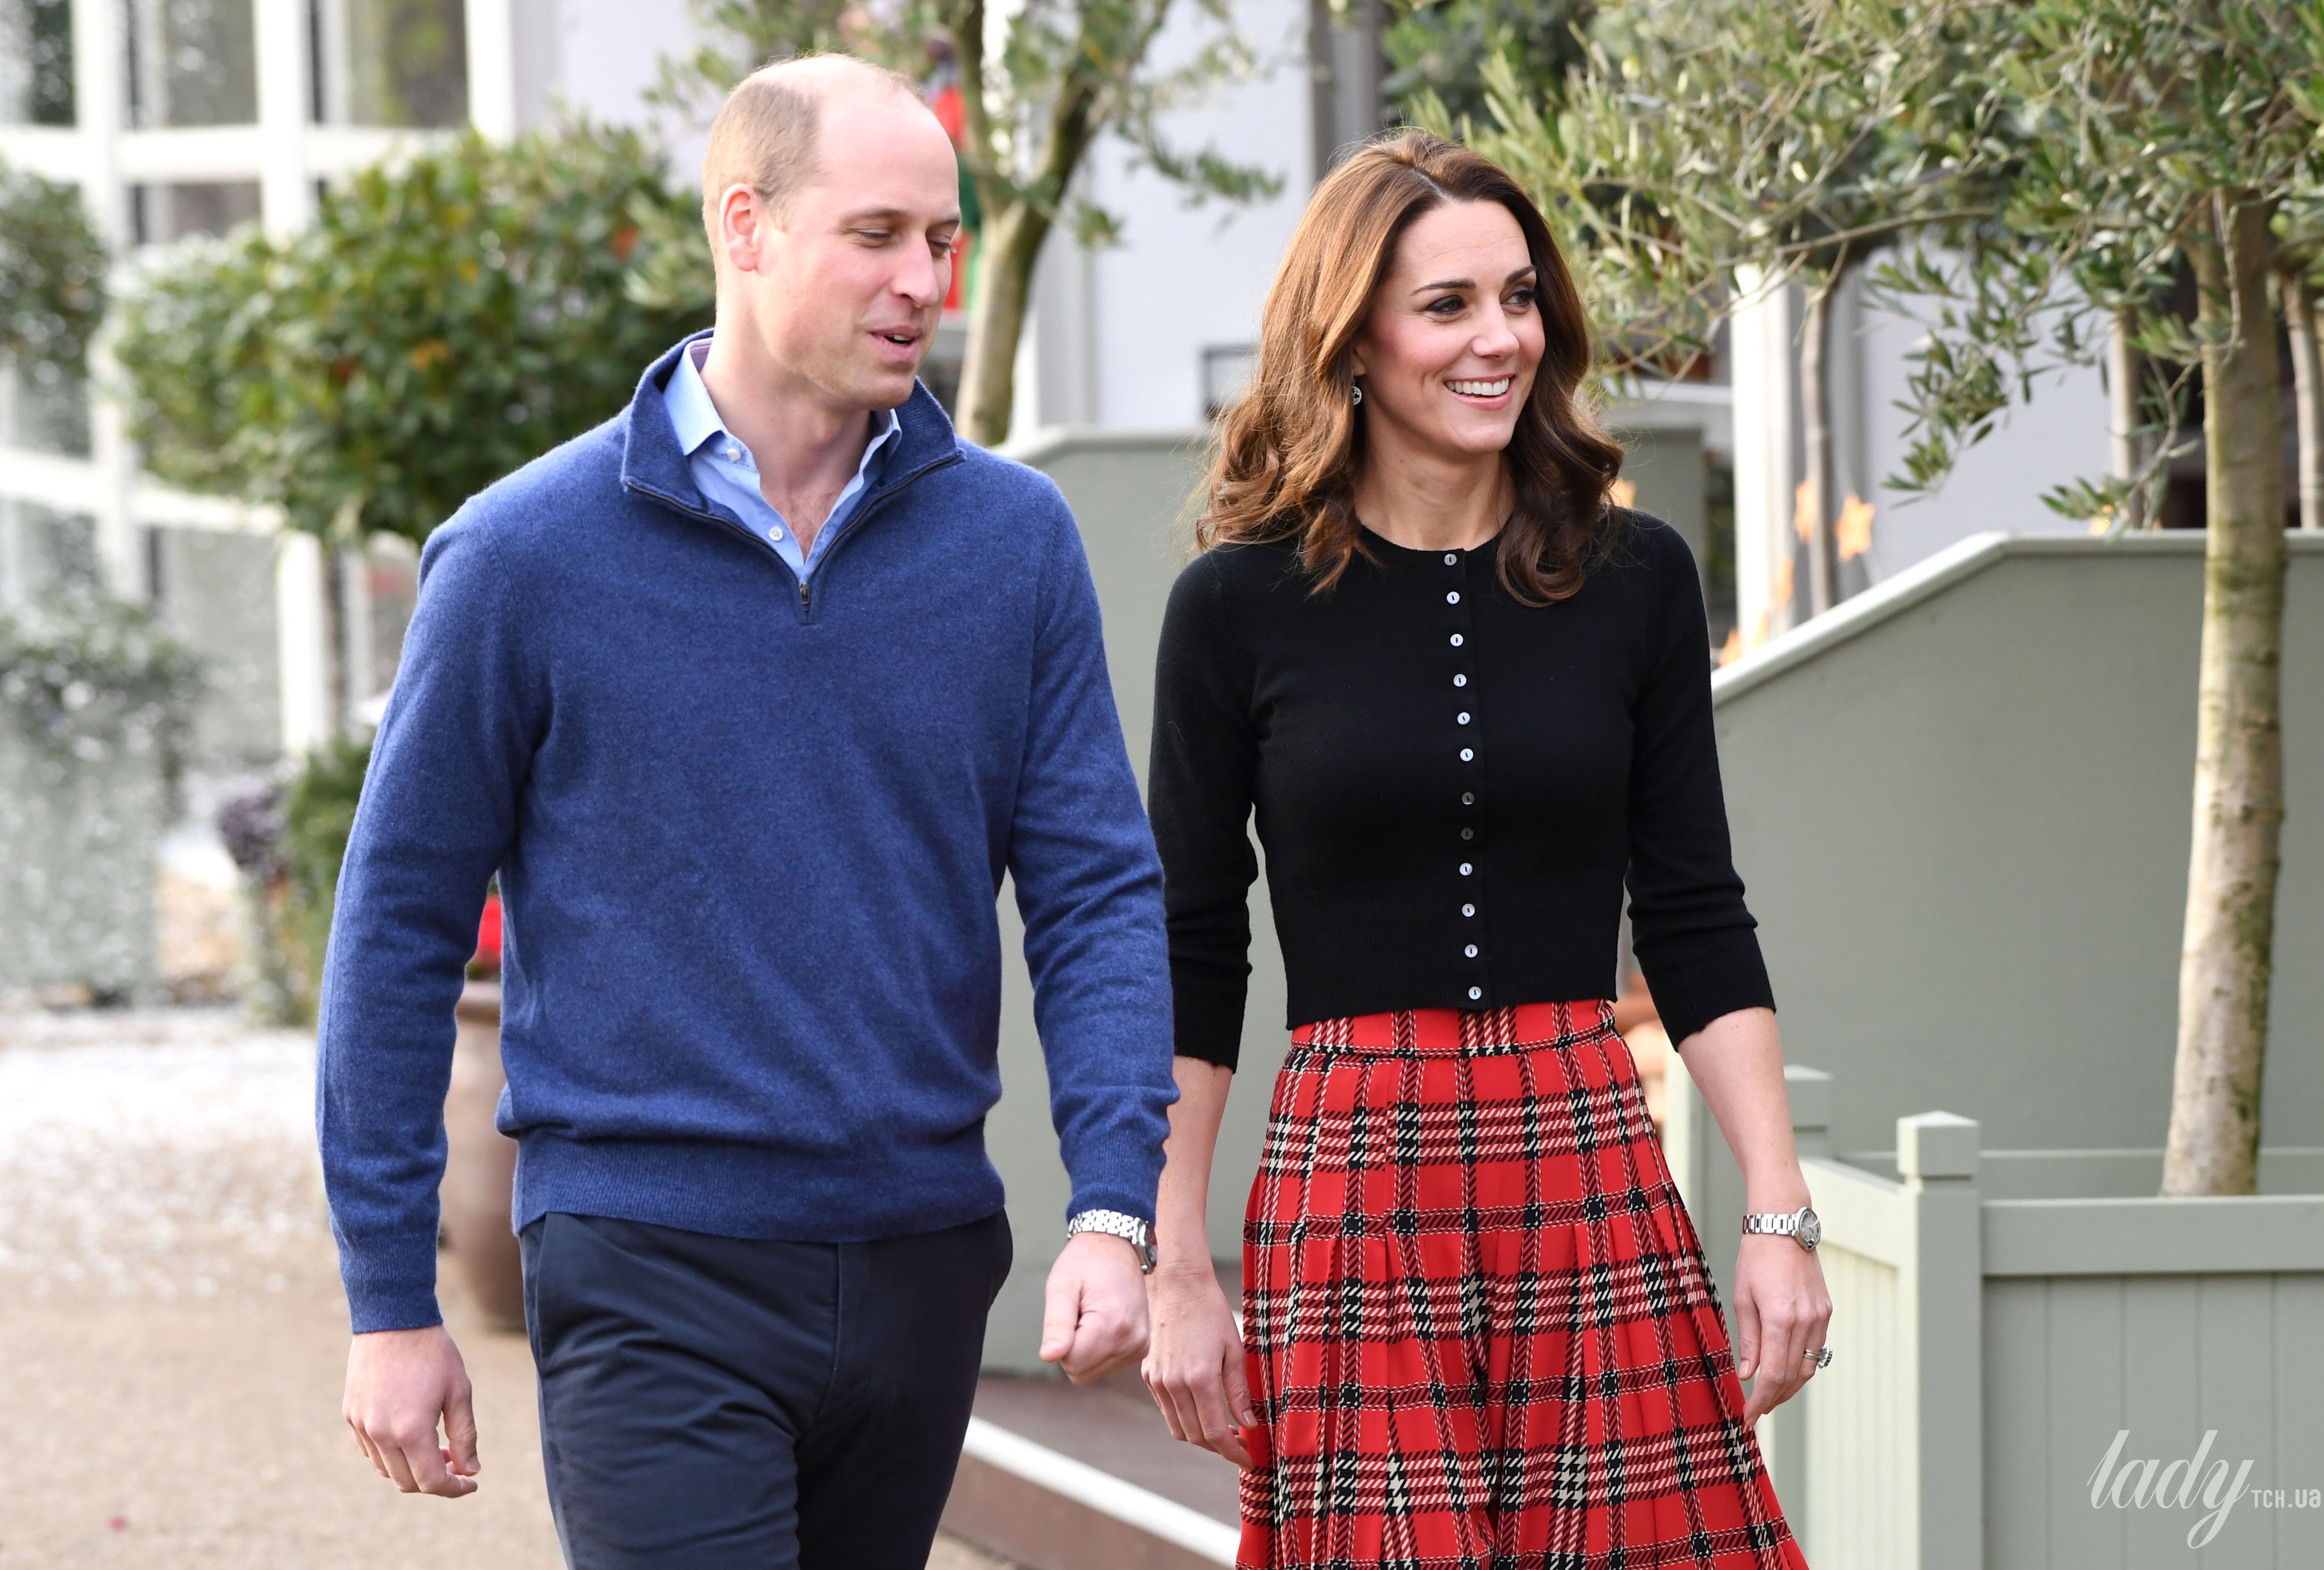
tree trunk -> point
(2308, 386)
(1815, 407)
(2226, 958)
(2124, 367)
(988, 378)
(337, 704)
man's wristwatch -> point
(1114, 1223)
(1800, 1226)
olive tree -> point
(1701, 156)
(2162, 135)
(2300, 277)
(1438, 48)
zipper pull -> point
(803, 600)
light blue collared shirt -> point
(725, 471)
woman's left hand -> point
(1781, 1313)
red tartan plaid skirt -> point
(1478, 1329)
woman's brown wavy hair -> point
(1289, 447)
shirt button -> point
(1453, 598)
(1451, 559)
(1460, 682)
(1468, 799)
(1466, 869)
(1467, 834)
(774, 534)
(1476, 993)
(1464, 716)
(734, 453)
(1467, 753)
(1471, 951)
(1468, 910)
(1456, 640)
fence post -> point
(1686, 1130)
(1708, 1179)
(1942, 1301)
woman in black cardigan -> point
(1467, 700)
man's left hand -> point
(1093, 1317)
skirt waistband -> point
(1459, 1032)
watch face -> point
(1811, 1228)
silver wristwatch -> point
(1800, 1226)
(1114, 1223)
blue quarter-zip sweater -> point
(749, 838)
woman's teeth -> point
(1481, 388)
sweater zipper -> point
(806, 602)
(871, 504)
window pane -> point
(391, 62)
(47, 410)
(1226, 369)
(192, 62)
(159, 214)
(44, 553)
(62, 549)
(36, 63)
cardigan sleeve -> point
(1199, 787)
(1694, 937)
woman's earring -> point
(1356, 394)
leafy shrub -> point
(52, 265)
(444, 321)
(90, 675)
(318, 812)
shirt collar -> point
(692, 415)
(695, 419)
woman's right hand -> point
(1194, 1360)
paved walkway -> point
(171, 1335)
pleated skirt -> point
(1478, 1329)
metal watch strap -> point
(1116, 1223)
(1801, 1225)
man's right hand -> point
(399, 1383)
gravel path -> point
(172, 1333)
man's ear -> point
(744, 223)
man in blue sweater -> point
(750, 697)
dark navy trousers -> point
(713, 1402)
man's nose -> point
(923, 280)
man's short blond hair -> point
(765, 135)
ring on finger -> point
(1821, 1354)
